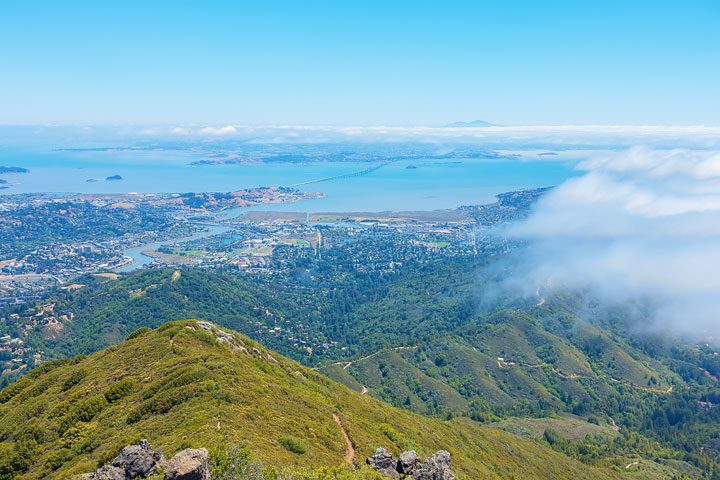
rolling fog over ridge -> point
(638, 226)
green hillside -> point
(190, 384)
(508, 360)
(417, 339)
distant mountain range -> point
(472, 123)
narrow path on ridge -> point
(348, 363)
(350, 450)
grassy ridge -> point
(180, 386)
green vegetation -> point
(292, 444)
(239, 464)
(180, 387)
(422, 339)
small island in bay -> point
(91, 180)
(114, 177)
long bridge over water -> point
(345, 175)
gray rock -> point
(189, 464)
(138, 460)
(107, 472)
(382, 460)
(388, 473)
(436, 467)
(224, 337)
(407, 462)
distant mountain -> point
(5, 169)
(473, 123)
(190, 384)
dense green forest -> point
(424, 338)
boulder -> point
(107, 472)
(388, 472)
(138, 460)
(189, 464)
(407, 462)
(436, 467)
(384, 463)
(381, 460)
(409, 466)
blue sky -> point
(360, 63)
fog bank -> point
(642, 225)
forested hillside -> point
(423, 339)
(191, 384)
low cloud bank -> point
(639, 226)
(516, 137)
(550, 135)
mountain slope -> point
(190, 384)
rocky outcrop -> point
(407, 462)
(436, 467)
(409, 466)
(190, 464)
(232, 341)
(384, 463)
(107, 472)
(141, 461)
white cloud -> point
(642, 225)
(181, 131)
(557, 136)
(219, 131)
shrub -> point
(551, 436)
(34, 430)
(119, 390)
(51, 365)
(236, 463)
(87, 409)
(292, 444)
(184, 376)
(11, 390)
(16, 459)
(329, 473)
(58, 458)
(80, 438)
(75, 377)
(167, 399)
(390, 432)
(83, 411)
(140, 331)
